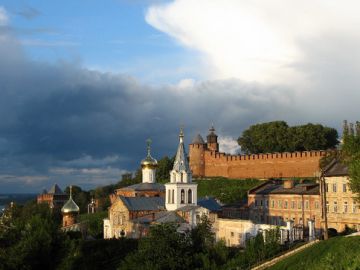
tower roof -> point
(198, 140)
(70, 206)
(149, 160)
(55, 190)
(181, 162)
(212, 131)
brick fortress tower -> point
(197, 150)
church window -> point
(182, 196)
(189, 196)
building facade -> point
(342, 208)
(207, 161)
(276, 202)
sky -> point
(83, 84)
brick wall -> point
(297, 164)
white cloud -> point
(228, 145)
(254, 40)
(3, 17)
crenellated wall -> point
(297, 164)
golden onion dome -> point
(70, 206)
(149, 161)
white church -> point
(131, 216)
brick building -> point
(55, 197)
(342, 208)
(206, 161)
(275, 202)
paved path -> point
(280, 258)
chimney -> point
(289, 183)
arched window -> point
(182, 196)
(172, 199)
(181, 177)
(189, 196)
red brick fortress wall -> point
(276, 165)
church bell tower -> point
(181, 191)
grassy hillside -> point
(226, 190)
(335, 253)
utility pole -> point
(323, 203)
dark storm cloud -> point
(68, 124)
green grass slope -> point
(336, 253)
(226, 190)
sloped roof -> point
(210, 204)
(276, 187)
(145, 187)
(181, 163)
(336, 168)
(55, 190)
(161, 217)
(198, 140)
(143, 203)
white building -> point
(180, 191)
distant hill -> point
(335, 253)
(5, 199)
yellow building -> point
(342, 209)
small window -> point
(285, 204)
(182, 196)
(292, 204)
(232, 234)
(299, 205)
(327, 207)
(344, 188)
(272, 203)
(316, 204)
(335, 207)
(327, 187)
(189, 196)
(306, 204)
(345, 207)
(334, 187)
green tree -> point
(163, 170)
(164, 248)
(277, 136)
(350, 155)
